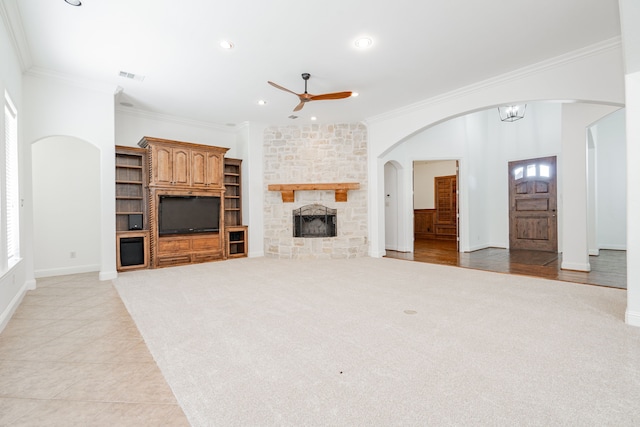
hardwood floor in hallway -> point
(607, 269)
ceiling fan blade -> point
(336, 95)
(299, 106)
(282, 88)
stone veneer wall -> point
(316, 154)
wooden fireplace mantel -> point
(288, 190)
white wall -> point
(629, 18)
(55, 107)
(250, 142)
(131, 126)
(66, 202)
(611, 182)
(424, 173)
(537, 135)
(573, 206)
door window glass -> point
(518, 173)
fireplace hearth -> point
(314, 221)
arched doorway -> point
(66, 206)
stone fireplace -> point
(299, 162)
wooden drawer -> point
(205, 243)
(163, 261)
(205, 256)
(172, 245)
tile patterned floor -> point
(72, 355)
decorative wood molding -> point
(340, 188)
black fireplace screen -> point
(314, 221)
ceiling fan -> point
(306, 97)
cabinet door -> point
(214, 169)
(162, 160)
(206, 170)
(198, 168)
(181, 160)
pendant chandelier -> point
(511, 113)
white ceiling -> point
(422, 48)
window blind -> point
(12, 194)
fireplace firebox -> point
(314, 221)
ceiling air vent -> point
(131, 76)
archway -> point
(66, 206)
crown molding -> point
(13, 21)
(551, 63)
(71, 80)
(151, 115)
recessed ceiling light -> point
(363, 42)
(262, 102)
(314, 118)
(226, 44)
(74, 2)
(354, 94)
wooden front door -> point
(533, 222)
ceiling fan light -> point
(354, 94)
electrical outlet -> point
(72, 254)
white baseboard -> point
(13, 305)
(632, 318)
(256, 254)
(66, 270)
(576, 266)
(376, 254)
(480, 247)
(108, 275)
(613, 247)
(594, 252)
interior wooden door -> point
(446, 220)
(533, 222)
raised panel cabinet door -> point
(213, 169)
(162, 165)
(181, 160)
(206, 169)
(198, 168)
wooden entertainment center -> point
(164, 169)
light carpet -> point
(368, 341)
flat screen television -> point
(188, 214)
